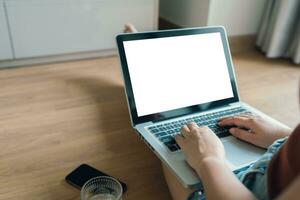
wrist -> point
(211, 164)
(284, 131)
(287, 132)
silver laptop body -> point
(176, 76)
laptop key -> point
(154, 130)
(170, 142)
(166, 139)
(160, 134)
(161, 129)
(172, 145)
(173, 148)
(205, 123)
(223, 134)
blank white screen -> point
(175, 72)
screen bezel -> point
(180, 111)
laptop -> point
(178, 76)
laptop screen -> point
(174, 72)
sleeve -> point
(285, 165)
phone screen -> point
(83, 173)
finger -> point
(207, 130)
(192, 126)
(204, 128)
(179, 140)
(248, 115)
(185, 131)
(230, 117)
(237, 121)
(251, 116)
(200, 131)
(242, 134)
(225, 117)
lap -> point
(178, 192)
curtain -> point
(279, 33)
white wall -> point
(240, 17)
(5, 46)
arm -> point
(292, 191)
(205, 153)
(220, 183)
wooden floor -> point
(55, 117)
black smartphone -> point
(83, 173)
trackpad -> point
(239, 153)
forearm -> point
(287, 131)
(220, 183)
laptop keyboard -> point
(166, 132)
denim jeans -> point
(254, 176)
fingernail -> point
(231, 130)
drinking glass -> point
(101, 188)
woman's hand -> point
(200, 145)
(255, 130)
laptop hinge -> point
(235, 103)
(231, 104)
(159, 120)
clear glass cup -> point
(101, 188)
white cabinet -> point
(53, 27)
(239, 17)
(5, 46)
